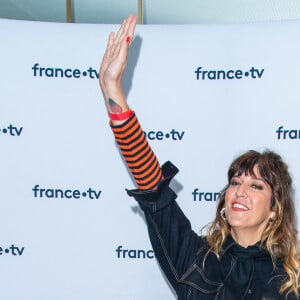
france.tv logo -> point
(11, 130)
(287, 134)
(54, 193)
(51, 72)
(134, 253)
(253, 73)
(12, 250)
(159, 135)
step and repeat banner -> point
(203, 93)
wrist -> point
(121, 116)
(116, 121)
(111, 84)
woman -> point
(251, 248)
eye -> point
(257, 186)
(234, 182)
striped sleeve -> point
(137, 154)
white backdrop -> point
(64, 211)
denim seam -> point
(233, 263)
(197, 268)
(173, 270)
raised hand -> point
(113, 66)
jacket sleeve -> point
(173, 241)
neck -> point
(245, 239)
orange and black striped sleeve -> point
(137, 153)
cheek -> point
(228, 194)
(228, 200)
(263, 204)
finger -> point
(107, 53)
(115, 47)
(131, 25)
(126, 25)
(130, 28)
(125, 38)
(110, 40)
(119, 37)
(109, 43)
(121, 29)
(127, 28)
(123, 51)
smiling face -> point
(248, 206)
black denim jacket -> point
(239, 274)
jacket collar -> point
(253, 251)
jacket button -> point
(249, 291)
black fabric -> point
(239, 274)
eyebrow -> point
(254, 177)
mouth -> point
(236, 206)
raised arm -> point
(173, 241)
(136, 151)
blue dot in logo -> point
(6, 250)
(246, 73)
(167, 135)
(84, 194)
(84, 73)
(4, 130)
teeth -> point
(237, 205)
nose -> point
(241, 191)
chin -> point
(236, 223)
